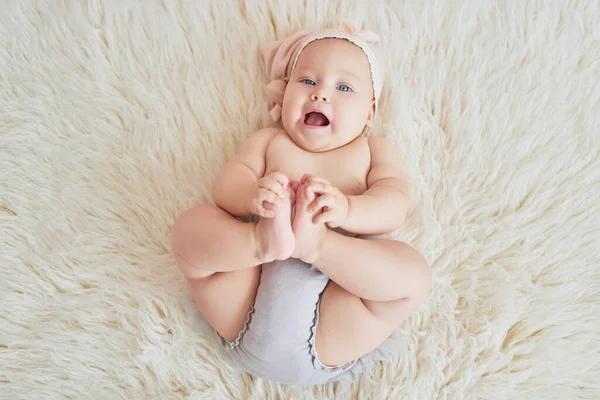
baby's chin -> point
(310, 141)
(320, 143)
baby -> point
(287, 268)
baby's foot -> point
(308, 234)
(275, 236)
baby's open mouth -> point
(315, 118)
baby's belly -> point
(346, 168)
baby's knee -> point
(195, 215)
(183, 234)
(190, 222)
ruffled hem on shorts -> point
(350, 370)
(232, 345)
(313, 349)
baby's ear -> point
(371, 113)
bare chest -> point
(345, 168)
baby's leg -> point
(220, 258)
(206, 239)
(374, 286)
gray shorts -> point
(277, 342)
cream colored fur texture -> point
(116, 115)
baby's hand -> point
(331, 200)
(270, 189)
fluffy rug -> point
(115, 117)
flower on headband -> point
(276, 91)
(365, 35)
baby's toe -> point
(309, 194)
(301, 195)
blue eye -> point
(308, 82)
(344, 88)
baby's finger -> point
(267, 195)
(319, 187)
(273, 186)
(280, 177)
(324, 217)
(322, 201)
(270, 208)
(261, 211)
(308, 178)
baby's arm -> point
(235, 182)
(377, 270)
(383, 207)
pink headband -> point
(281, 57)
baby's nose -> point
(319, 95)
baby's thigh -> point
(225, 299)
(347, 329)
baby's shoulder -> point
(378, 141)
(265, 134)
(369, 147)
(381, 149)
(259, 140)
(255, 146)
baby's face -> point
(329, 97)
